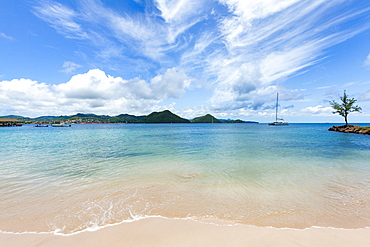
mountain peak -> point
(163, 117)
(206, 119)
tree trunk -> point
(345, 118)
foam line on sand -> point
(177, 232)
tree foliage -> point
(345, 107)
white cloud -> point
(171, 84)
(3, 35)
(62, 18)
(367, 61)
(204, 41)
(69, 67)
(191, 113)
(318, 110)
(267, 42)
(280, 37)
(326, 87)
(93, 91)
(241, 50)
(281, 64)
(365, 96)
(26, 96)
(95, 84)
(24, 89)
(180, 15)
(175, 10)
(237, 82)
(123, 32)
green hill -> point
(206, 119)
(20, 118)
(44, 118)
(91, 115)
(125, 118)
(163, 117)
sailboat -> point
(278, 121)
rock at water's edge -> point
(351, 129)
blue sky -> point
(228, 58)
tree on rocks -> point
(345, 107)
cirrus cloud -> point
(240, 52)
(69, 67)
(279, 39)
(3, 35)
(367, 61)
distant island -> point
(154, 117)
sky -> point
(228, 58)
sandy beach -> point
(177, 232)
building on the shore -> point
(9, 122)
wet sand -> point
(177, 232)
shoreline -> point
(158, 231)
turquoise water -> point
(87, 176)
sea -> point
(89, 176)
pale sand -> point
(176, 232)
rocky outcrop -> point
(351, 129)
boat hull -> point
(61, 125)
(278, 123)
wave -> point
(217, 222)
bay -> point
(90, 175)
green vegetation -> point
(163, 117)
(20, 118)
(345, 107)
(238, 121)
(155, 117)
(206, 119)
(364, 128)
(125, 118)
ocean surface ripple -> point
(67, 180)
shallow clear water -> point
(88, 176)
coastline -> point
(157, 231)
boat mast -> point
(277, 105)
